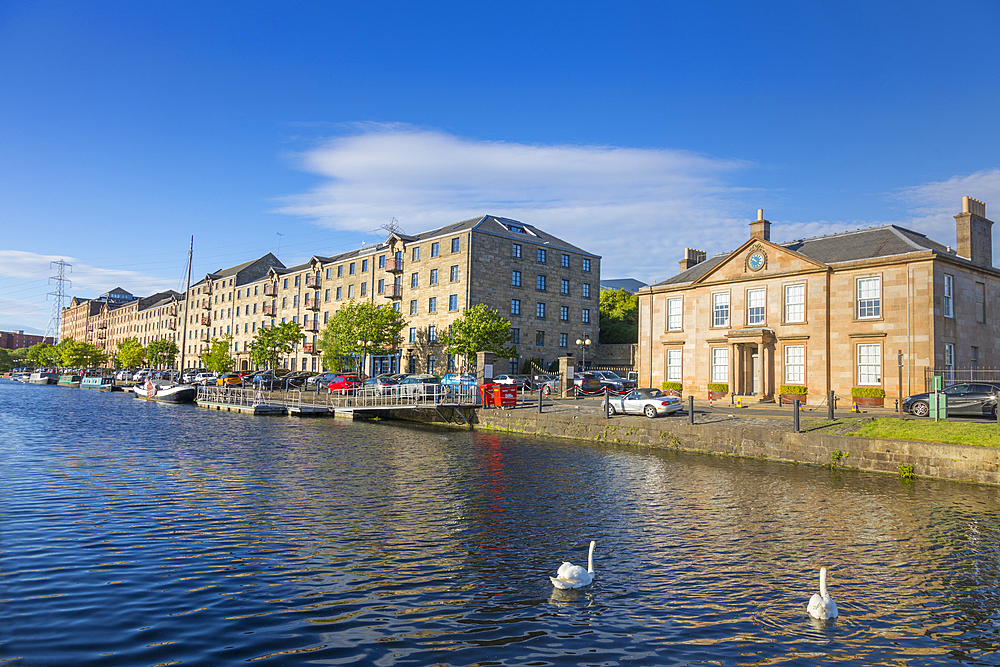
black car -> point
(966, 398)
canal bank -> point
(743, 434)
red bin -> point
(487, 394)
(504, 396)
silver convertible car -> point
(649, 402)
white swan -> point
(574, 576)
(822, 606)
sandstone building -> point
(830, 313)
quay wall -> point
(963, 463)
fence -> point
(362, 397)
(950, 376)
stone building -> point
(828, 313)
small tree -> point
(131, 353)
(218, 359)
(52, 354)
(162, 352)
(619, 317)
(358, 328)
(6, 360)
(479, 329)
(270, 343)
(35, 353)
(79, 353)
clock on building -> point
(756, 260)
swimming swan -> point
(822, 606)
(574, 576)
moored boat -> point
(98, 383)
(44, 377)
(69, 380)
(165, 392)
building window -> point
(515, 306)
(435, 249)
(564, 289)
(455, 245)
(540, 338)
(586, 265)
(364, 289)
(674, 320)
(413, 334)
(285, 287)
(381, 287)
(720, 364)
(454, 274)
(350, 291)
(432, 333)
(949, 289)
(563, 340)
(326, 295)
(364, 266)
(673, 365)
(869, 298)
(795, 303)
(540, 310)
(720, 309)
(756, 307)
(564, 313)
(515, 251)
(795, 364)
(949, 363)
(413, 307)
(586, 290)
(515, 278)
(340, 293)
(565, 261)
(415, 280)
(981, 302)
(340, 271)
(284, 302)
(453, 302)
(515, 337)
(381, 262)
(326, 317)
(870, 363)
(416, 254)
(432, 304)
(350, 269)
(434, 277)
(974, 358)
(540, 283)
(585, 318)
(296, 281)
(541, 255)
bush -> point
(867, 392)
(529, 364)
(718, 387)
(792, 389)
(675, 386)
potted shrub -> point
(717, 390)
(789, 393)
(872, 397)
(673, 388)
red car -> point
(344, 383)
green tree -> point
(218, 359)
(271, 343)
(359, 328)
(162, 352)
(130, 353)
(52, 354)
(619, 317)
(6, 360)
(79, 353)
(479, 329)
(19, 355)
(35, 353)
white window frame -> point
(756, 306)
(675, 314)
(949, 363)
(869, 293)
(948, 302)
(795, 303)
(675, 360)
(795, 364)
(720, 364)
(869, 364)
(720, 311)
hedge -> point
(676, 386)
(867, 392)
(792, 389)
(718, 387)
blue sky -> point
(630, 129)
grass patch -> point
(951, 433)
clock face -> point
(756, 261)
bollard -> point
(607, 402)
(539, 400)
(690, 409)
(795, 417)
(830, 399)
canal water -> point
(139, 533)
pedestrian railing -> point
(361, 397)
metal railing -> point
(950, 376)
(383, 397)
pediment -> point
(758, 258)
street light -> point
(586, 344)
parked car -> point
(420, 385)
(343, 383)
(546, 383)
(267, 380)
(141, 375)
(383, 385)
(459, 381)
(521, 381)
(319, 381)
(966, 398)
(125, 374)
(229, 380)
(586, 383)
(190, 374)
(616, 384)
(649, 402)
(204, 378)
(299, 378)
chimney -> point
(760, 228)
(691, 257)
(975, 236)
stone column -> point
(484, 367)
(733, 367)
(762, 371)
(566, 370)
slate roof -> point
(870, 243)
(630, 285)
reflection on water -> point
(147, 534)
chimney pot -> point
(760, 228)
(974, 232)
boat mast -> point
(184, 328)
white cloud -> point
(637, 207)
(86, 280)
(933, 206)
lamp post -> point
(363, 344)
(585, 343)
